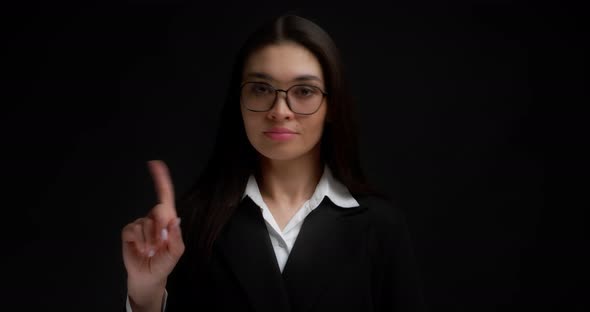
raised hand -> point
(152, 245)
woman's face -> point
(282, 66)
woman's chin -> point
(279, 154)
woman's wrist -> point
(146, 297)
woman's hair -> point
(211, 201)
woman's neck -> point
(290, 181)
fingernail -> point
(164, 234)
(151, 253)
(177, 223)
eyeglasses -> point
(301, 99)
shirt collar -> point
(328, 186)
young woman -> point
(282, 218)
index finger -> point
(162, 182)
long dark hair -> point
(212, 200)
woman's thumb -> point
(175, 244)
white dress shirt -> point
(283, 240)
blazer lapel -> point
(246, 245)
(327, 244)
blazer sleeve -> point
(396, 280)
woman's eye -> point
(304, 91)
(261, 89)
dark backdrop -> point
(449, 98)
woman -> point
(282, 218)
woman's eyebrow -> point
(270, 78)
(307, 78)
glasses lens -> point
(257, 96)
(305, 99)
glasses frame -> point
(324, 94)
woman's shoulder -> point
(383, 210)
(388, 225)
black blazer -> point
(344, 259)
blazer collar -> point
(328, 186)
(246, 247)
(321, 253)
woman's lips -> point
(280, 130)
(280, 133)
(280, 136)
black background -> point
(454, 124)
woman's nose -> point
(280, 107)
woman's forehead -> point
(283, 62)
